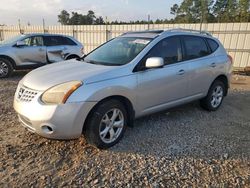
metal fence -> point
(234, 36)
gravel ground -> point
(185, 146)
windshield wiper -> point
(98, 62)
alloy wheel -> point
(111, 125)
(3, 69)
(217, 96)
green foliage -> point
(79, 19)
(189, 11)
(64, 17)
(244, 13)
(195, 11)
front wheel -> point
(106, 125)
(215, 96)
(6, 68)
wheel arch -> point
(223, 78)
(11, 60)
(124, 100)
(71, 56)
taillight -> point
(82, 50)
(230, 58)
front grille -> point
(25, 94)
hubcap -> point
(3, 69)
(111, 125)
(217, 96)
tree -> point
(244, 10)
(91, 17)
(174, 9)
(75, 19)
(192, 11)
(64, 17)
(79, 19)
(99, 21)
(225, 10)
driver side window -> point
(169, 49)
(33, 41)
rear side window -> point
(58, 40)
(53, 40)
(195, 47)
(169, 49)
(212, 44)
(68, 41)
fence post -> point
(74, 32)
(44, 30)
(106, 28)
(1, 34)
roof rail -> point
(145, 31)
(190, 30)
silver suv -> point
(35, 50)
(136, 74)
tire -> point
(6, 68)
(215, 96)
(72, 57)
(101, 130)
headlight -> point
(60, 93)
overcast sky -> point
(34, 10)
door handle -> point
(181, 72)
(213, 65)
(41, 50)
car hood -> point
(4, 46)
(50, 75)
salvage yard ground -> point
(182, 146)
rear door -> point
(163, 87)
(33, 52)
(55, 48)
(201, 63)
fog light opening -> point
(47, 129)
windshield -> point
(11, 40)
(118, 51)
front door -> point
(163, 87)
(33, 52)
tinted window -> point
(53, 40)
(169, 49)
(212, 44)
(68, 41)
(195, 47)
(34, 41)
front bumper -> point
(64, 121)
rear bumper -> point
(64, 121)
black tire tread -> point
(10, 67)
(205, 103)
(91, 131)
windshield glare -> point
(118, 51)
(13, 39)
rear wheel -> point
(72, 57)
(215, 96)
(106, 125)
(6, 68)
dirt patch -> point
(185, 146)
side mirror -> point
(154, 62)
(20, 43)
